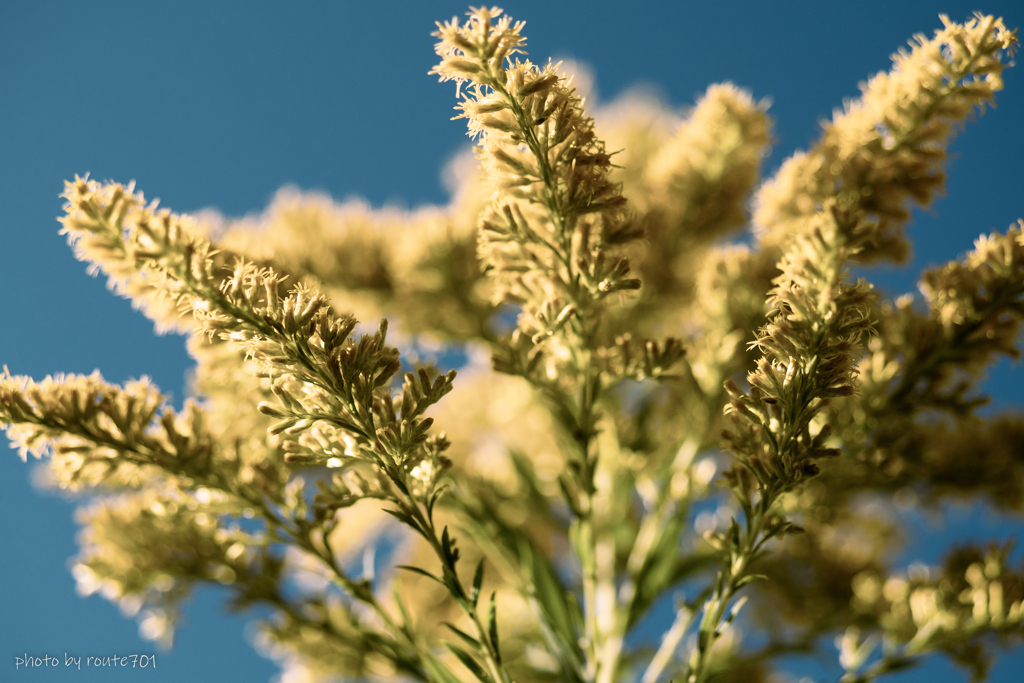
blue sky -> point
(220, 104)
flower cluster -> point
(99, 433)
(556, 217)
(810, 348)
(148, 549)
(976, 594)
(925, 363)
(889, 145)
(419, 266)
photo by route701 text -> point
(122, 661)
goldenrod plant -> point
(671, 400)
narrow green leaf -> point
(433, 500)
(735, 610)
(750, 579)
(734, 537)
(345, 424)
(401, 605)
(550, 596)
(469, 662)
(417, 570)
(570, 500)
(451, 581)
(478, 580)
(470, 640)
(900, 664)
(451, 553)
(405, 519)
(527, 474)
(492, 627)
(396, 479)
(440, 670)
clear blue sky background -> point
(219, 104)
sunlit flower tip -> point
(155, 626)
(86, 581)
(130, 605)
(538, 84)
(452, 68)
(452, 38)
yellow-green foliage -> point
(549, 494)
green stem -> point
(490, 653)
(734, 569)
(587, 538)
(391, 650)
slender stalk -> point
(492, 656)
(733, 571)
(588, 542)
(669, 644)
(413, 667)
